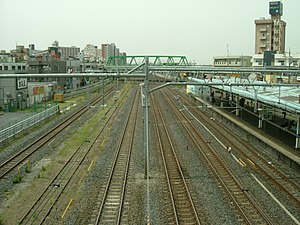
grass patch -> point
(1, 220)
(40, 175)
(17, 179)
(85, 133)
(27, 169)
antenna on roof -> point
(227, 54)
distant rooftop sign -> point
(276, 8)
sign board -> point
(38, 90)
(275, 8)
(235, 75)
(21, 83)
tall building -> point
(67, 52)
(270, 33)
(108, 50)
(105, 51)
(91, 52)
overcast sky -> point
(199, 29)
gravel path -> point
(206, 192)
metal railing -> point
(26, 123)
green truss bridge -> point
(133, 61)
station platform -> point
(285, 152)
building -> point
(91, 52)
(105, 52)
(20, 54)
(270, 33)
(108, 50)
(13, 91)
(283, 60)
(233, 61)
(46, 66)
(48, 61)
(13, 67)
(4, 56)
(67, 52)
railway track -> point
(247, 154)
(245, 206)
(40, 211)
(109, 206)
(184, 211)
(27, 151)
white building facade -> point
(286, 60)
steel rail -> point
(43, 206)
(118, 161)
(172, 161)
(284, 183)
(216, 161)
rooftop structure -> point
(232, 61)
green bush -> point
(27, 169)
(17, 179)
(1, 220)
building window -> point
(19, 67)
(0, 67)
(259, 62)
(23, 68)
(13, 67)
(5, 67)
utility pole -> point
(227, 55)
(146, 117)
(146, 135)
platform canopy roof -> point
(283, 97)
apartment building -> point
(67, 52)
(108, 50)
